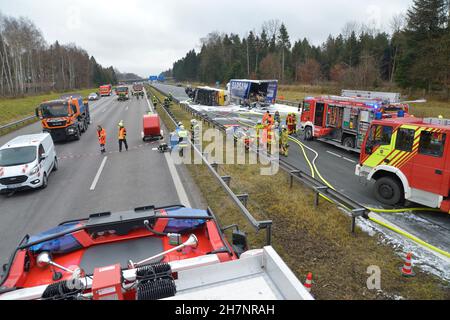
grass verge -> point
(13, 109)
(310, 239)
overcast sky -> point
(146, 37)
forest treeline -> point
(416, 54)
(29, 65)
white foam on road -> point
(99, 173)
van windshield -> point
(17, 156)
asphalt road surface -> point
(126, 181)
(337, 167)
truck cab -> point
(343, 121)
(65, 119)
(123, 92)
(408, 158)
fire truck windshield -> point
(54, 111)
(122, 89)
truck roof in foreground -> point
(257, 275)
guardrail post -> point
(243, 198)
(227, 180)
(269, 234)
(355, 214)
(317, 195)
(292, 173)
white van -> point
(26, 162)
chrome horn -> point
(191, 242)
(43, 260)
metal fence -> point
(17, 123)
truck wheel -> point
(308, 134)
(78, 134)
(388, 191)
(349, 142)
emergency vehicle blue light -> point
(378, 116)
(401, 114)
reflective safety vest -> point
(289, 120)
(102, 136)
(269, 135)
(258, 129)
(183, 134)
(284, 139)
(122, 133)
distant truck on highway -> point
(409, 159)
(138, 90)
(106, 90)
(66, 118)
(123, 92)
(343, 120)
(251, 92)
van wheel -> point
(55, 164)
(308, 134)
(349, 142)
(388, 191)
(44, 181)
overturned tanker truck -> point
(146, 254)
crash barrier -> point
(16, 123)
(288, 103)
(352, 208)
(239, 200)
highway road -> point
(337, 167)
(126, 180)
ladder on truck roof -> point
(391, 97)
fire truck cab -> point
(344, 120)
(409, 160)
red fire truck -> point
(409, 160)
(106, 90)
(344, 120)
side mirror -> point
(43, 157)
(369, 149)
(37, 112)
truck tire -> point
(349, 142)
(389, 191)
(78, 134)
(308, 134)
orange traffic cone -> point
(308, 283)
(407, 270)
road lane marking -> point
(334, 154)
(99, 172)
(349, 160)
(126, 109)
(182, 195)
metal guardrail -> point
(16, 123)
(289, 103)
(239, 200)
(346, 204)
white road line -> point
(334, 154)
(99, 172)
(126, 109)
(182, 195)
(349, 160)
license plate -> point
(14, 186)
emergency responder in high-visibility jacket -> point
(294, 123)
(195, 132)
(270, 121)
(277, 117)
(284, 142)
(270, 137)
(101, 133)
(259, 130)
(265, 117)
(122, 136)
(155, 101)
(183, 139)
(289, 122)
